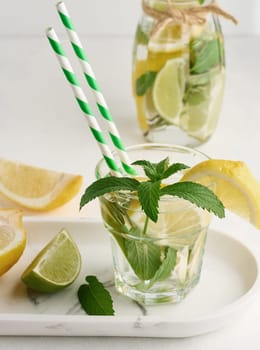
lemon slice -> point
(37, 188)
(234, 184)
(12, 238)
(171, 39)
(168, 90)
(55, 267)
(179, 222)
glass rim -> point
(156, 146)
(122, 198)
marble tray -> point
(229, 282)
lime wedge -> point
(55, 267)
(168, 90)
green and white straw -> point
(82, 101)
(93, 84)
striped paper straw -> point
(93, 84)
(82, 101)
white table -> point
(40, 124)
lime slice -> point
(168, 90)
(55, 267)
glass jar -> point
(178, 72)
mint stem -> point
(145, 225)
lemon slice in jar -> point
(169, 39)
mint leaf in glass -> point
(144, 257)
(141, 37)
(205, 54)
(166, 267)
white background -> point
(106, 17)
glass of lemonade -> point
(178, 76)
(155, 262)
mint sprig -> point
(150, 191)
(150, 261)
(94, 298)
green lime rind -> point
(55, 267)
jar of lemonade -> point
(178, 70)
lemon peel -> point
(233, 183)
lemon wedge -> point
(233, 183)
(12, 238)
(37, 188)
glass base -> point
(158, 295)
(172, 135)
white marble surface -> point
(40, 124)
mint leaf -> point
(166, 267)
(148, 167)
(144, 257)
(201, 2)
(141, 37)
(94, 298)
(113, 213)
(107, 185)
(153, 170)
(172, 169)
(208, 57)
(197, 194)
(162, 166)
(144, 82)
(149, 195)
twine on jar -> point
(191, 16)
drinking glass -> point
(155, 262)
